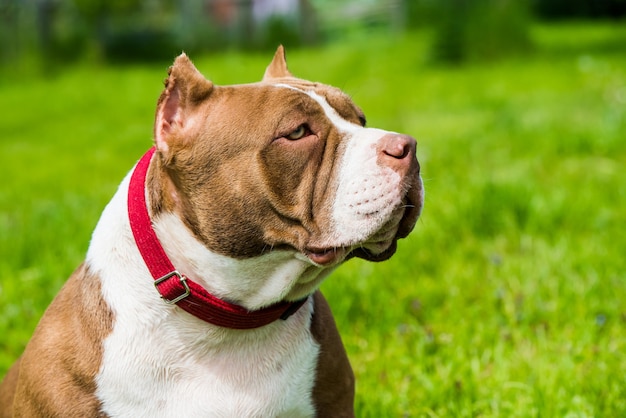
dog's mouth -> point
(378, 247)
(335, 255)
(327, 256)
(381, 246)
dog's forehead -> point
(333, 96)
(328, 97)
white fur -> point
(253, 283)
(159, 361)
(368, 194)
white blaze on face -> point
(368, 194)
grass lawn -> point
(508, 300)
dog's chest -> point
(171, 371)
(159, 361)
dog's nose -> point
(397, 151)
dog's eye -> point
(300, 132)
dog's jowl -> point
(198, 296)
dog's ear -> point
(278, 66)
(185, 89)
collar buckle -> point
(181, 279)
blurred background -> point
(39, 35)
(508, 299)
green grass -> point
(508, 300)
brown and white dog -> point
(254, 193)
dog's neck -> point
(253, 283)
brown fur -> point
(55, 376)
(278, 208)
(333, 394)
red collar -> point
(174, 287)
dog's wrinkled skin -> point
(257, 192)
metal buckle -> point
(181, 278)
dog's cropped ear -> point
(278, 66)
(185, 88)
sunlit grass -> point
(507, 300)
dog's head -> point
(281, 165)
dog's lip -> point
(379, 247)
(326, 256)
(364, 253)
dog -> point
(199, 293)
